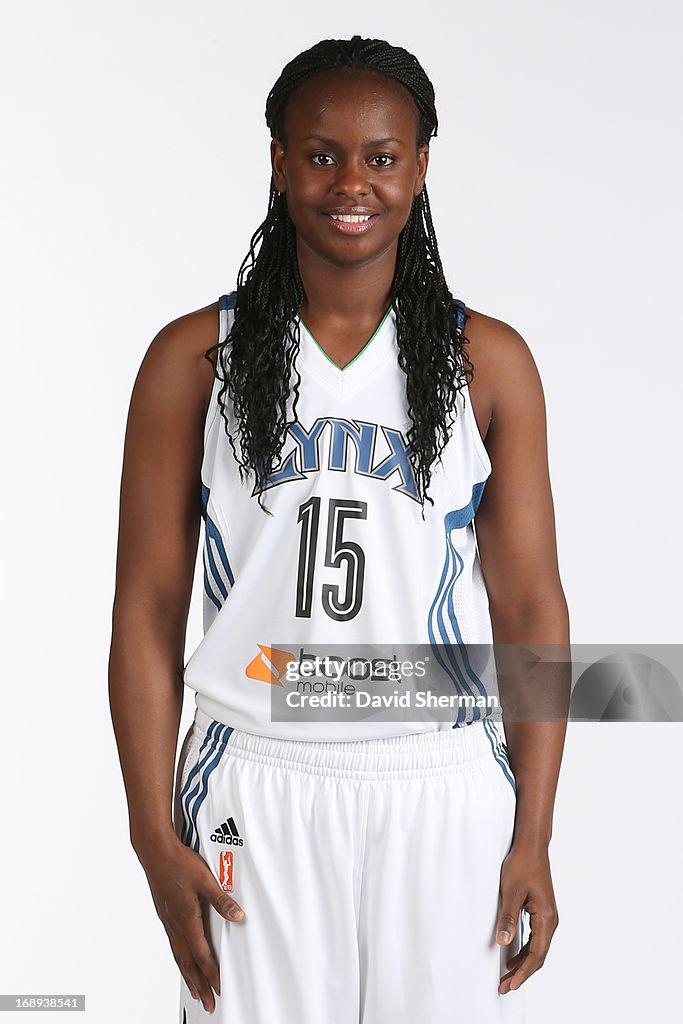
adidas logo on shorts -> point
(227, 834)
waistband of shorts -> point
(406, 755)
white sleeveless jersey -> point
(346, 557)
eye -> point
(384, 156)
(326, 155)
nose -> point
(352, 179)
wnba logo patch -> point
(269, 666)
(226, 864)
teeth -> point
(351, 218)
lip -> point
(353, 229)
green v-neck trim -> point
(343, 369)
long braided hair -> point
(255, 361)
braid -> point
(256, 360)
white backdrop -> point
(135, 169)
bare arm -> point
(160, 516)
(159, 521)
(516, 536)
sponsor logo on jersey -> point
(227, 834)
(269, 665)
(357, 436)
(226, 866)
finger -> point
(189, 926)
(184, 961)
(508, 917)
(514, 962)
(539, 943)
(223, 903)
(194, 978)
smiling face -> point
(350, 148)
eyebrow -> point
(333, 142)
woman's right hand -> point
(179, 880)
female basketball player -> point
(317, 421)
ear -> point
(277, 160)
(422, 163)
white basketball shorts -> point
(368, 872)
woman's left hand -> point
(525, 884)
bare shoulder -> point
(184, 341)
(495, 347)
(504, 369)
(175, 368)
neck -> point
(358, 294)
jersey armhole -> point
(225, 303)
(477, 439)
